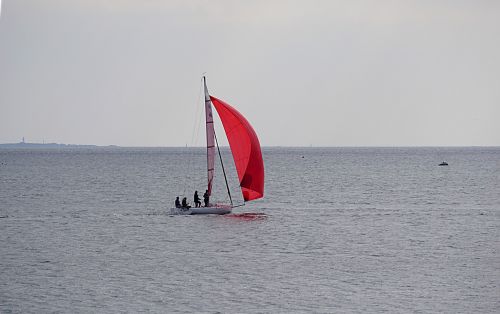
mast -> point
(210, 139)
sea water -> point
(340, 230)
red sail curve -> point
(245, 147)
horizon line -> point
(263, 146)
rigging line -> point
(201, 114)
(223, 170)
(195, 131)
(197, 119)
(198, 125)
(196, 136)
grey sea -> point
(340, 230)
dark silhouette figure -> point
(184, 203)
(206, 198)
(177, 202)
(197, 201)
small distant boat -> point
(246, 151)
(444, 163)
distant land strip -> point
(48, 145)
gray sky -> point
(321, 73)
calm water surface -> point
(347, 230)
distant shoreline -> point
(48, 145)
(23, 145)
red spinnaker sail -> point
(245, 147)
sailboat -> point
(245, 149)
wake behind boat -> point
(245, 149)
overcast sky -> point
(321, 73)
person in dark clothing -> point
(177, 202)
(206, 198)
(184, 203)
(197, 202)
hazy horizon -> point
(263, 146)
(320, 73)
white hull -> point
(212, 210)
